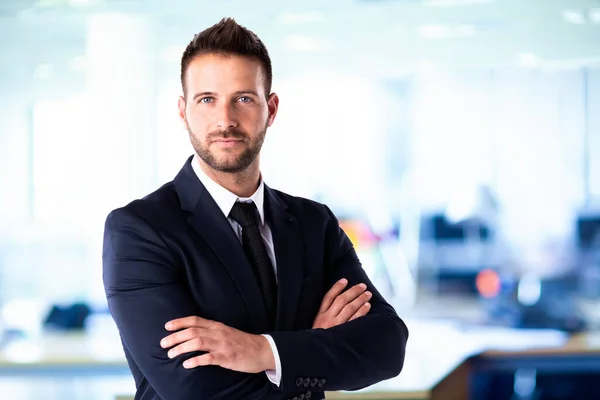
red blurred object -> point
(488, 283)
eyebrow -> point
(201, 94)
(238, 93)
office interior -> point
(458, 142)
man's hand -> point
(225, 346)
(338, 308)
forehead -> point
(216, 72)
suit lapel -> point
(208, 220)
(289, 255)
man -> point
(223, 288)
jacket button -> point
(308, 394)
(299, 382)
(306, 382)
(322, 382)
(301, 397)
(314, 382)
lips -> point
(227, 143)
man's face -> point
(226, 110)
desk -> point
(572, 369)
(440, 357)
(61, 354)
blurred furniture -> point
(58, 354)
(566, 372)
(588, 232)
(453, 253)
(587, 238)
(69, 317)
(529, 302)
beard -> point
(223, 163)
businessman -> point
(223, 288)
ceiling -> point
(376, 37)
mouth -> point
(227, 142)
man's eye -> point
(245, 99)
(206, 100)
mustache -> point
(227, 134)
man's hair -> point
(227, 37)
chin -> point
(230, 165)
(231, 169)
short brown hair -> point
(227, 37)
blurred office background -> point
(458, 141)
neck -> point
(242, 184)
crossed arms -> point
(144, 294)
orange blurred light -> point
(488, 283)
(359, 234)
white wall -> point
(593, 143)
(522, 132)
(15, 131)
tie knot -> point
(244, 214)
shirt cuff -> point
(274, 375)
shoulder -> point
(152, 209)
(305, 208)
(317, 220)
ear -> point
(273, 106)
(181, 109)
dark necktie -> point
(246, 215)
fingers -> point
(188, 322)
(362, 311)
(354, 306)
(345, 298)
(203, 360)
(332, 294)
(180, 337)
(196, 344)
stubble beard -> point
(226, 164)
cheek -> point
(259, 119)
(197, 122)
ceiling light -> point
(594, 15)
(573, 17)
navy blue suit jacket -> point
(173, 254)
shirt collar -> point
(224, 198)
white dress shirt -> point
(225, 200)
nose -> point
(226, 117)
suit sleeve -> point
(350, 356)
(144, 291)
